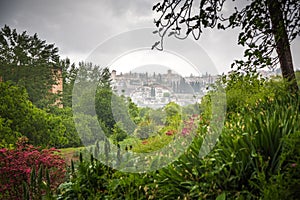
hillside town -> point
(156, 90)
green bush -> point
(19, 117)
(248, 161)
(118, 133)
(88, 181)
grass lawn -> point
(71, 153)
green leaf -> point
(221, 196)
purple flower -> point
(293, 164)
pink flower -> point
(293, 164)
(184, 131)
(27, 171)
(17, 163)
(3, 150)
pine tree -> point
(30, 62)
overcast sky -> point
(77, 27)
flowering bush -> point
(16, 167)
(189, 125)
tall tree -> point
(105, 78)
(111, 108)
(266, 26)
(30, 62)
(69, 72)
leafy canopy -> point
(19, 117)
(30, 62)
(265, 26)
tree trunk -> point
(282, 43)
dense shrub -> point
(243, 90)
(19, 117)
(256, 157)
(88, 181)
(118, 133)
(91, 179)
(18, 166)
(66, 117)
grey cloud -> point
(6, 6)
(139, 7)
(72, 25)
(77, 27)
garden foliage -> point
(30, 167)
(19, 117)
(257, 155)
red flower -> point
(170, 132)
(144, 142)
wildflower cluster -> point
(189, 125)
